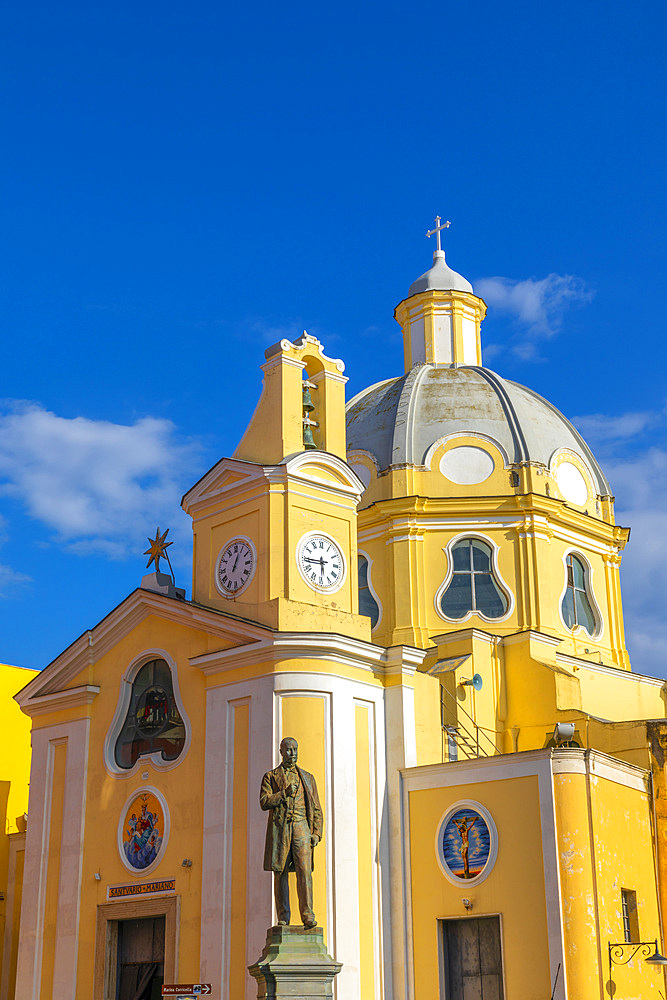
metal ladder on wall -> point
(465, 740)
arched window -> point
(153, 723)
(368, 606)
(576, 607)
(473, 586)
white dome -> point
(439, 278)
(397, 421)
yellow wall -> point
(526, 688)
(303, 718)
(58, 763)
(15, 917)
(604, 845)
(428, 731)
(106, 794)
(275, 516)
(403, 527)
(14, 780)
(238, 962)
(515, 888)
(657, 733)
(366, 849)
(15, 743)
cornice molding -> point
(532, 636)
(504, 511)
(59, 700)
(93, 644)
(204, 492)
(602, 765)
(609, 670)
(281, 646)
(464, 633)
(558, 761)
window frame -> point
(125, 696)
(590, 594)
(495, 570)
(364, 555)
(629, 916)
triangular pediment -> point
(63, 673)
(230, 475)
(226, 475)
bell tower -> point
(275, 527)
(302, 405)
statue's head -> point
(289, 751)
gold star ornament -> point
(158, 549)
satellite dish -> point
(475, 681)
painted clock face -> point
(321, 563)
(235, 567)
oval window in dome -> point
(571, 484)
(466, 465)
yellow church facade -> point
(422, 587)
(14, 781)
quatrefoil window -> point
(473, 587)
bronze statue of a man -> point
(293, 830)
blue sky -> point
(182, 185)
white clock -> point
(235, 566)
(321, 562)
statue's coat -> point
(272, 797)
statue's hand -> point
(314, 840)
(291, 790)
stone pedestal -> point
(294, 965)
(162, 583)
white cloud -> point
(632, 449)
(644, 584)
(97, 485)
(601, 428)
(11, 580)
(536, 306)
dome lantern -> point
(441, 315)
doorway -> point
(110, 918)
(140, 972)
(471, 964)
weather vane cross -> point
(158, 550)
(438, 229)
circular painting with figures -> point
(467, 843)
(143, 830)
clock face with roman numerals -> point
(321, 563)
(235, 566)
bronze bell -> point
(308, 440)
(308, 405)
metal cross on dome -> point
(438, 229)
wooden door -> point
(472, 959)
(140, 959)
